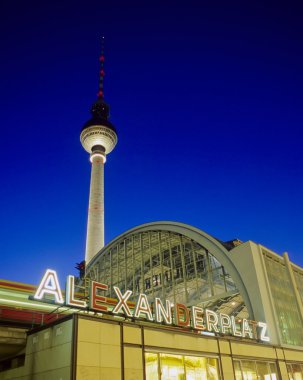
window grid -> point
(255, 370)
(284, 301)
(167, 265)
(295, 371)
(166, 366)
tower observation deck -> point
(98, 137)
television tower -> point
(98, 137)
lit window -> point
(166, 366)
(255, 370)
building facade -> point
(84, 347)
(181, 265)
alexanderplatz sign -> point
(197, 318)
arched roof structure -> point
(211, 244)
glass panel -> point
(289, 370)
(273, 371)
(252, 370)
(263, 371)
(297, 372)
(172, 367)
(195, 368)
(299, 280)
(179, 367)
(284, 301)
(212, 369)
(166, 265)
(151, 366)
(249, 370)
(198, 368)
(237, 368)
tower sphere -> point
(98, 131)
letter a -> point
(49, 285)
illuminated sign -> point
(49, 285)
(203, 320)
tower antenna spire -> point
(102, 72)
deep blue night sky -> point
(207, 100)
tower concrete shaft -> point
(95, 223)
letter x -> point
(122, 302)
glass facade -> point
(255, 370)
(169, 266)
(284, 300)
(295, 371)
(166, 366)
(299, 280)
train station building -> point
(162, 301)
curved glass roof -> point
(167, 265)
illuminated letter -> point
(122, 302)
(246, 329)
(162, 313)
(234, 327)
(225, 323)
(96, 299)
(253, 325)
(70, 294)
(263, 331)
(181, 310)
(143, 307)
(211, 320)
(49, 285)
(197, 318)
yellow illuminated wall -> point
(123, 351)
(95, 348)
(98, 350)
